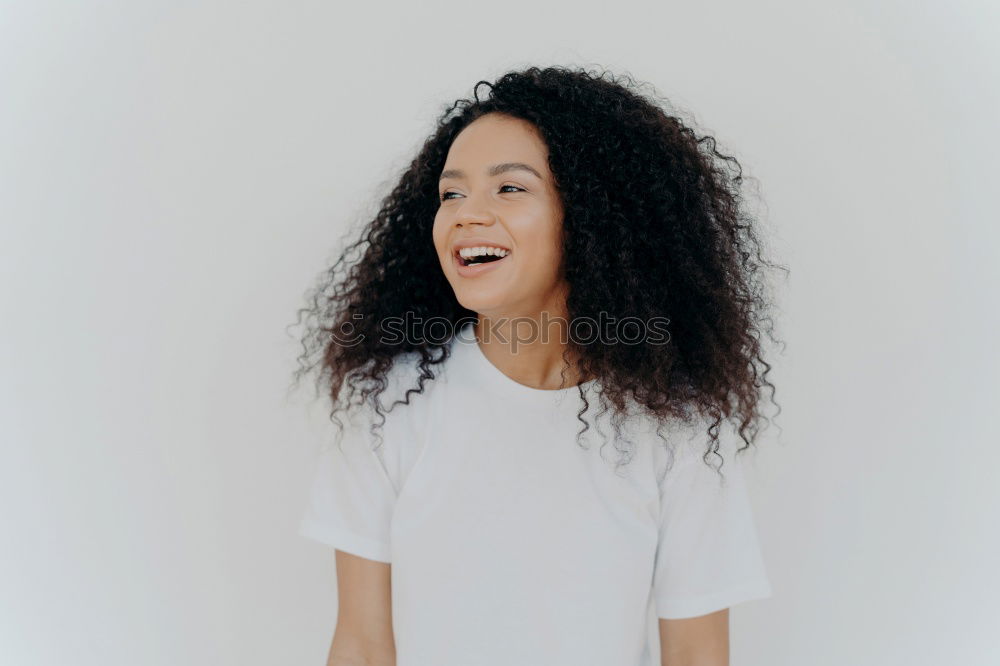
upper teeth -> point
(469, 252)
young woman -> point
(560, 248)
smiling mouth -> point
(479, 259)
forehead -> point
(496, 138)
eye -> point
(444, 197)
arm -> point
(363, 636)
(695, 641)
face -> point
(496, 189)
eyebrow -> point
(494, 170)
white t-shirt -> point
(511, 543)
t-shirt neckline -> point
(500, 382)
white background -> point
(175, 175)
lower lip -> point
(479, 269)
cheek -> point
(543, 251)
(438, 236)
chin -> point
(480, 305)
(480, 299)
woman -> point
(559, 244)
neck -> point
(529, 349)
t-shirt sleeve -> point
(352, 496)
(708, 557)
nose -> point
(484, 220)
(472, 213)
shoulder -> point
(409, 383)
(691, 462)
(679, 448)
(394, 433)
(403, 374)
(400, 404)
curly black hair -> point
(655, 225)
